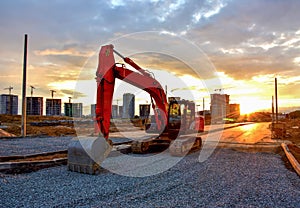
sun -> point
(246, 108)
(252, 104)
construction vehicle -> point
(181, 121)
(174, 122)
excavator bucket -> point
(85, 154)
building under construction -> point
(114, 111)
(120, 109)
(73, 109)
(219, 107)
(53, 107)
(128, 105)
(34, 106)
(144, 111)
(9, 104)
(93, 110)
(234, 111)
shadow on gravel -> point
(28, 169)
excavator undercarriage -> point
(179, 147)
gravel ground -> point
(32, 145)
(227, 179)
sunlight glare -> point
(252, 104)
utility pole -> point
(52, 102)
(276, 100)
(203, 110)
(198, 109)
(273, 109)
(9, 89)
(23, 124)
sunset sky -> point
(192, 46)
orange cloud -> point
(64, 52)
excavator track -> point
(150, 145)
(140, 147)
(183, 146)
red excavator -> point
(174, 122)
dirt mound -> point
(64, 126)
(13, 123)
(293, 132)
(17, 118)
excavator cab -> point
(181, 119)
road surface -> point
(247, 133)
(250, 133)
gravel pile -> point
(227, 179)
(33, 145)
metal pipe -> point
(23, 124)
(203, 110)
(276, 100)
(123, 57)
(273, 109)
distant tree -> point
(294, 114)
(260, 116)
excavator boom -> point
(107, 72)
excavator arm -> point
(107, 72)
